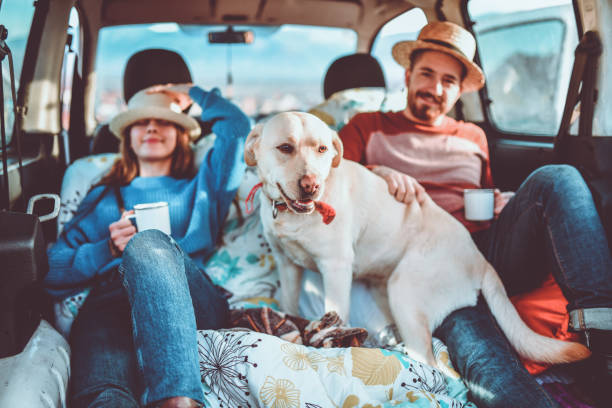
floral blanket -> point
(249, 369)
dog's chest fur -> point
(291, 237)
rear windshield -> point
(282, 69)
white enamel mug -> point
(479, 204)
(152, 216)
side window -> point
(404, 27)
(526, 50)
(16, 15)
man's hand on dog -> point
(122, 231)
(401, 186)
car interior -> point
(77, 62)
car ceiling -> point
(366, 17)
(340, 13)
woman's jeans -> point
(148, 350)
(550, 225)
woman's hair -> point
(126, 167)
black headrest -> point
(353, 71)
(153, 67)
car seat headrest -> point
(358, 70)
(153, 67)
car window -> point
(16, 15)
(282, 69)
(404, 27)
(526, 49)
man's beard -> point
(426, 113)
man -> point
(549, 225)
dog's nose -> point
(308, 184)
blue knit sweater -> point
(198, 206)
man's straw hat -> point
(154, 105)
(448, 38)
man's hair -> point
(416, 54)
(126, 168)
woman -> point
(135, 336)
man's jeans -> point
(550, 225)
(151, 352)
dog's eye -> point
(322, 149)
(285, 148)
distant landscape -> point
(283, 69)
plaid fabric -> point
(329, 331)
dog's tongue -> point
(326, 211)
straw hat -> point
(449, 38)
(155, 105)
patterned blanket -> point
(249, 369)
(329, 331)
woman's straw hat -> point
(156, 105)
(448, 38)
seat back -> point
(354, 83)
(153, 67)
(359, 70)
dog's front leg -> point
(337, 280)
(290, 276)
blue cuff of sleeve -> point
(202, 97)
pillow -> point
(78, 179)
(240, 368)
(243, 264)
(339, 108)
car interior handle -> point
(56, 206)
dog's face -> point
(294, 153)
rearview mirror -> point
(230, 36)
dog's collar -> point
(326, 210)
(278, 206)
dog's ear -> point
(339, 150)
(251, 144)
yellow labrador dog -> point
(426, 258)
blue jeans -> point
(550, 225)
(139, 339)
